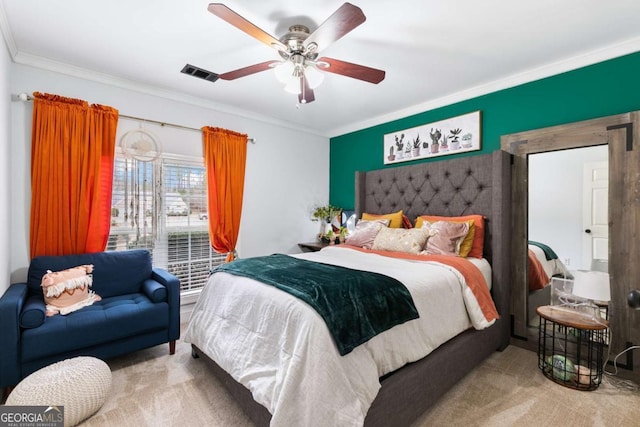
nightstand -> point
(312, 246)
(570, 347)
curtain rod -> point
(26, 97)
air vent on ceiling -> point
(199, 73)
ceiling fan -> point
(300, 68)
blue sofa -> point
(140, 308)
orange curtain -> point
(225, 156)
(72, 154)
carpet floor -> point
(152, 388)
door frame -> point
(587, 211)
(621, 133)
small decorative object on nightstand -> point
(330, 218)
(570, 347)
(312, 246)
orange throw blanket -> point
(538, 278)
(472, 275)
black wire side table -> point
(570, 347)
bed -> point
(543, 264)
(476, 184)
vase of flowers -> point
(324, 215)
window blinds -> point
(161, 206)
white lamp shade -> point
(293, 85)
(284, 72)
(593, 285)
(314, 77)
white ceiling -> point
(434, 52)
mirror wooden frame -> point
(621, 133)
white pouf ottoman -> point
(79, 384)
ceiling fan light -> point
(314, 77)
(293, 85)
(284, 72)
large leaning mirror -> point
(567, 218)
(620, 134)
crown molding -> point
(108, 79)
(7, 33)
(559, 67)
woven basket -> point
(79, 384)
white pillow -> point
(410, 241)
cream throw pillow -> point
(410, 241)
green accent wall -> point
(603, 89)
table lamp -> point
(592, 286)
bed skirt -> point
(406, 393)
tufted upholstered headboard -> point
(461, 186)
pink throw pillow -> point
(446, 237)
(366, 232)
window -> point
(162, 206)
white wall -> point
(5, 162)
(287, 170)
(555, 200)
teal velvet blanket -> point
(549, 254)
(356, 305)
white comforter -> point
(552, 267)
(280, 348)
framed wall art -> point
(450, 136)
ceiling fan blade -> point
(246, 71)
(343, 20)
(344, 68)
(306, 94)
(223, 12)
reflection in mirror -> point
(568, 218)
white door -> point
(595, 213)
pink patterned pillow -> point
(366, 232)
(446, 237)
